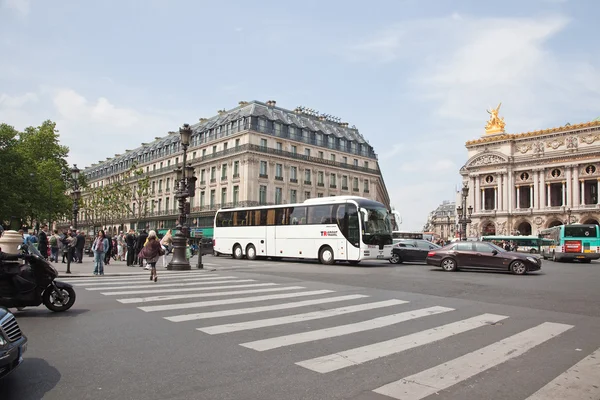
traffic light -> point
(191, 185)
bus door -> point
(352, 232)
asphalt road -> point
(297, 330)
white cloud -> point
(21, 6)
(456, 67)
(17, 101)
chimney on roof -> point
(172, 132)
(298, 110)
(221, 111)
(344, 124)
(322, 118)
(203, 119)
(271, 103)
(242, 103)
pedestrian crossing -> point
(201, 299)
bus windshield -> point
(379, 223)
(580, 231)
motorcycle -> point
(33, 283)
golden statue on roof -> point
(495, 123)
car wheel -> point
(395, 259)
(518, 267)
(449, 264)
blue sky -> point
(415, 77)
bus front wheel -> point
(326, 255)
(251, 252)
(237, 252)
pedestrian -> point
(99, 248)
(151, 252)
(166, 242)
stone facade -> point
(442, 221)
(254, 154)
(523, 183)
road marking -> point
(580, 382)
(194, 289)
(161, 285)
(289, 319)
(443, 376)
(138, 276)
(144, 279)
(180, 306)
(252, 310)
(359, 355)
(135, 300)
(319, 334)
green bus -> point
(526, 244)
(572, 242)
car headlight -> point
(531, 259)
(2, 341)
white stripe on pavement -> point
(360, 355)
(180, 306)
(178, 284)
(194, 289)
(580, 382)
(289, 319)
(252, 310)
(443, 376)
(135, 300)
(138, 277)
(145, 280)
(319, 334)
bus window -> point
(580, 231)
(319, 215)
(340, 217)
(298, 216)
(282, 216)
(239, 218)
(271, 216)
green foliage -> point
(35, 174)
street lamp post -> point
(179, 261)
(75, 194)
(448, 231)
(464, 213)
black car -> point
(411, 250)
(483, 255)
(13, 343)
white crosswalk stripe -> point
(288, 340)
(238, 300)
(194, 289)
(443, 376)
(261, 323)
(136, 276)
(374, 351)
(580, 382)
(253, 310)
(195, 295)
(145, 280)
(212, 294)
(162, 285)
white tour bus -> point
(326, 228)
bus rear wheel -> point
(326, 255)
(251, 252)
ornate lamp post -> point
(75, 194)
(462, 210)
(179, 260)
(448, 223)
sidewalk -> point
(117, 268)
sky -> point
(415, 77)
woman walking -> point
(99, 248)
(151, 252)
(166, 242)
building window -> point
(307, 152)
(279, 146)
(213, 174)
(319, 194)
(294, 149)
(524, 196)
(214, 149)
(366, 164)
(236, 195)
(320, 178)
(237, 143)
(193, 155)
(160, 185)
(223, 196)
(203, 153)
(263, 169)
(202, 199)
(279, 172)
(167, 210)
(278, 195)
(307, 176)
(293, 196)
(225, 145)
(332, 181)
(263, 143)
(321, 154)
(355, 162)
(355, 184)
(332, 157)
(223, 172)
(236, 169)
(306, 195)
(168, 184)
(344, 182)
(345, 160)
(212, 198)
(262, 195)
(153, 186)
(202, 176)
(294, 174)
(366, 186)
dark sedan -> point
(483, 255)
(13, 343)
(411, 250)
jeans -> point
(99, 263)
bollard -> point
(200, 265)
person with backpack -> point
(54, 246)
(100, 247)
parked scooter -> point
(33, 283)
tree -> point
(35, 174)
(141, 193)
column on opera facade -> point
(542, 186)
